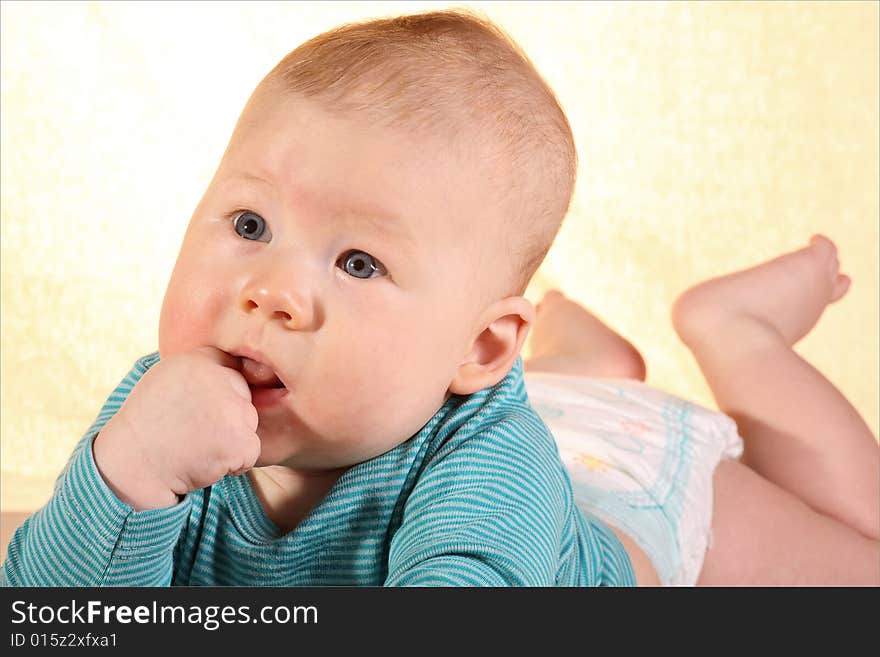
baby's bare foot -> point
(782, 298)
(567, 338)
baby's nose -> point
(292, 309)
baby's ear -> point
(506, 324)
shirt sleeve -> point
(85, 536)
(489, 510)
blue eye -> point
(360, 265)
(251, 226)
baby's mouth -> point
(259, 375)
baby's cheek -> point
(378, 407)
(172, 335)
(190, 314)
(372, 391)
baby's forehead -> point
(452, 156)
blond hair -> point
(453, 72)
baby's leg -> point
(763, 535)
(567, 339)
(800, 432)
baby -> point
(338, 395)
(329, 406)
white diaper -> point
(641, 460)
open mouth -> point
(266, 388)
(259, 375)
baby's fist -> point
(187, 423)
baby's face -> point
(350, 259)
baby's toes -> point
(840, 287)
(824, 249)
(825, 253)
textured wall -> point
(711, 136)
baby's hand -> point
(185, 425)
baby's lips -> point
(259, 374)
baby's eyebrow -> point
(382, 225)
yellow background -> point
(712, 136)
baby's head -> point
(387, 193)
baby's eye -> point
(360, 264)
(251, 226)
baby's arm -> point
(170, 428)
(84, 535)
(487, 511)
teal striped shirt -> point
(478, 496)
